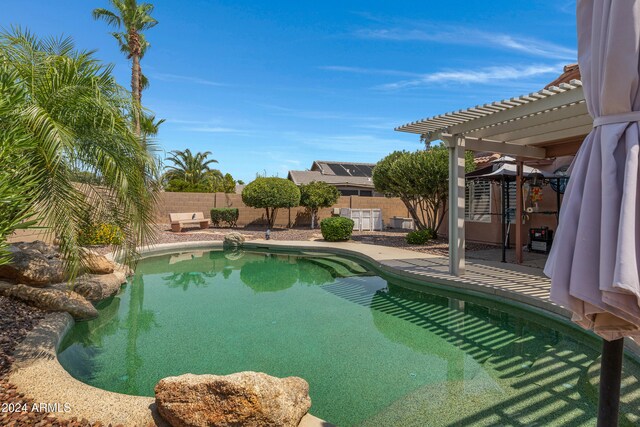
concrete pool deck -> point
(39, 375)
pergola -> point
(545, 124)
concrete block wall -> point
(203, 202)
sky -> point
(271, 86)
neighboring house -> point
(351, 179)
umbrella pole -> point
(610, 376)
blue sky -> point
(269, 86)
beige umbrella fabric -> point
(594, 260)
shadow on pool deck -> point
(530, 259)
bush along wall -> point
(229, 216)
(420, 237)
(336, 229)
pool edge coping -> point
(38, 373)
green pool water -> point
(374, 352)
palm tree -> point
(191, 168)
(133, 18)
(69, 114)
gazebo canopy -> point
(506, 167)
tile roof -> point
(571, 72)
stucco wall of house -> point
(491, 232)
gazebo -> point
(541, 125)
(504, 171)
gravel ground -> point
(16, 320)
(394, 239)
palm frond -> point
(108, 16)
(70, 112)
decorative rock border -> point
(37, 372)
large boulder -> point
(95, 287)
(233, 240)
(124, 269)
(98, 264)
(52, 299)
(243, 399)
(45, 249)
(35, 264)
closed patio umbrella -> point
(594, 262)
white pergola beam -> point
(552, 136)
(545, 129)
(564, 98)
(537, 119)
(476, 144)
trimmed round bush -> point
(226, 215)
(336, 229)
(420, 237)
(271, 194)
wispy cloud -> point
(355, 143)
(186, 79)
(439, 33)
(214, 129)
(361, 70)
(489, 75)
(212, 126)
(566, 6)
(316, 115)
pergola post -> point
(456, 204)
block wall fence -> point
(203, 202)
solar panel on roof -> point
(365, 170)
(350, 169)
(338, 169)
(357, 171)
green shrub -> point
(271, 194)
(226, 215)
(316, 195)
(420, 237)
(101, 234)
(335, 229)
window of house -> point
(366, 193)
(477, 201)
(348, 192)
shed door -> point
(377, 219)
(367, 223)
(356, 216)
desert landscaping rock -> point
(124, 269)
(34, 264)
(40, 246)
(53, 300)
(233, 239)
(95, 287)
(248, 399)
(98, 264)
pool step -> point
(339, 267)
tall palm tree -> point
(70, 114)
(133, 18)
(191, 168)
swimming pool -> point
(374, 352)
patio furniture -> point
(180, 220)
